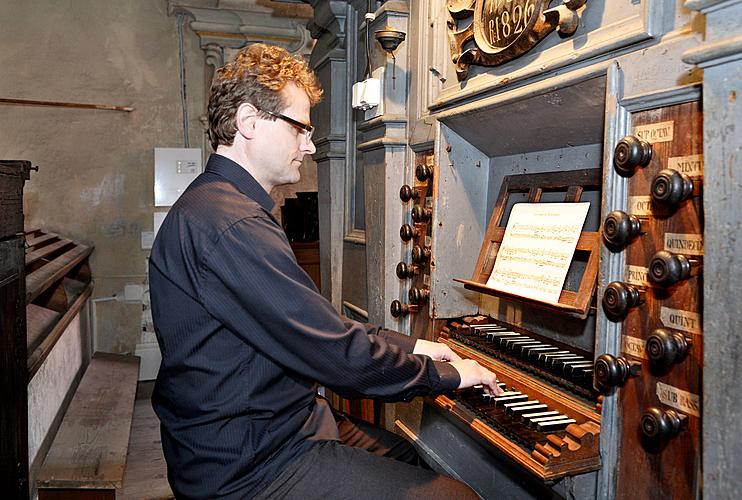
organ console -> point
(550, 418)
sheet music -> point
(537, 249)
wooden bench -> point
(88, 456)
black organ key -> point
(499, 336)
(555, 361)
(554, 425)
(506, 341)
(521, 348)
(536, 352)
(482, 331)
(491, 336)
(587, 373)
(566, 365)
(524, 350)
(576, 370)
(543, 358)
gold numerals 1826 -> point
(504, 20)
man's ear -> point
(245, 119)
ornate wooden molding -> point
(492, 32)
(223, 29)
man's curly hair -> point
(256, 76)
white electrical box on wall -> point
(175, 169)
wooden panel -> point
(90, 448)
(307, 256)
(13, 410)
(11, 199)
(76, 494)
(671, 469)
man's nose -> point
(308, 147)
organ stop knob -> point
(421, 214)
(423, 173)
(619, 228)
(611, 371)
(630, 153)
(662, 424)
(407, 232)
(406, 193)
(420, 255)
(399, 309)
(665, 348)
(405, 270)
(618, 298)
(670, 187)
(666, 268)
(418, 295)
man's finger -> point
(452, 356)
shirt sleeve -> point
(404, 342)
(250, 281)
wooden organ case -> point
(547, 356)
(604, 388)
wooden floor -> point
(146, 472)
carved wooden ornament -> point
(498, 31)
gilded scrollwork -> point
(492, 32)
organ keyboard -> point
(547, 420)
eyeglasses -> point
(307, 129)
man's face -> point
(283, 145)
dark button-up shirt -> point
(245, 338)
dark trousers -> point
(369, 463)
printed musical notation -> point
(537, 249)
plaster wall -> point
(95, 178)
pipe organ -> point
(603, 387)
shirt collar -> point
(241, 178)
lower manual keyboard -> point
(526, 421)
